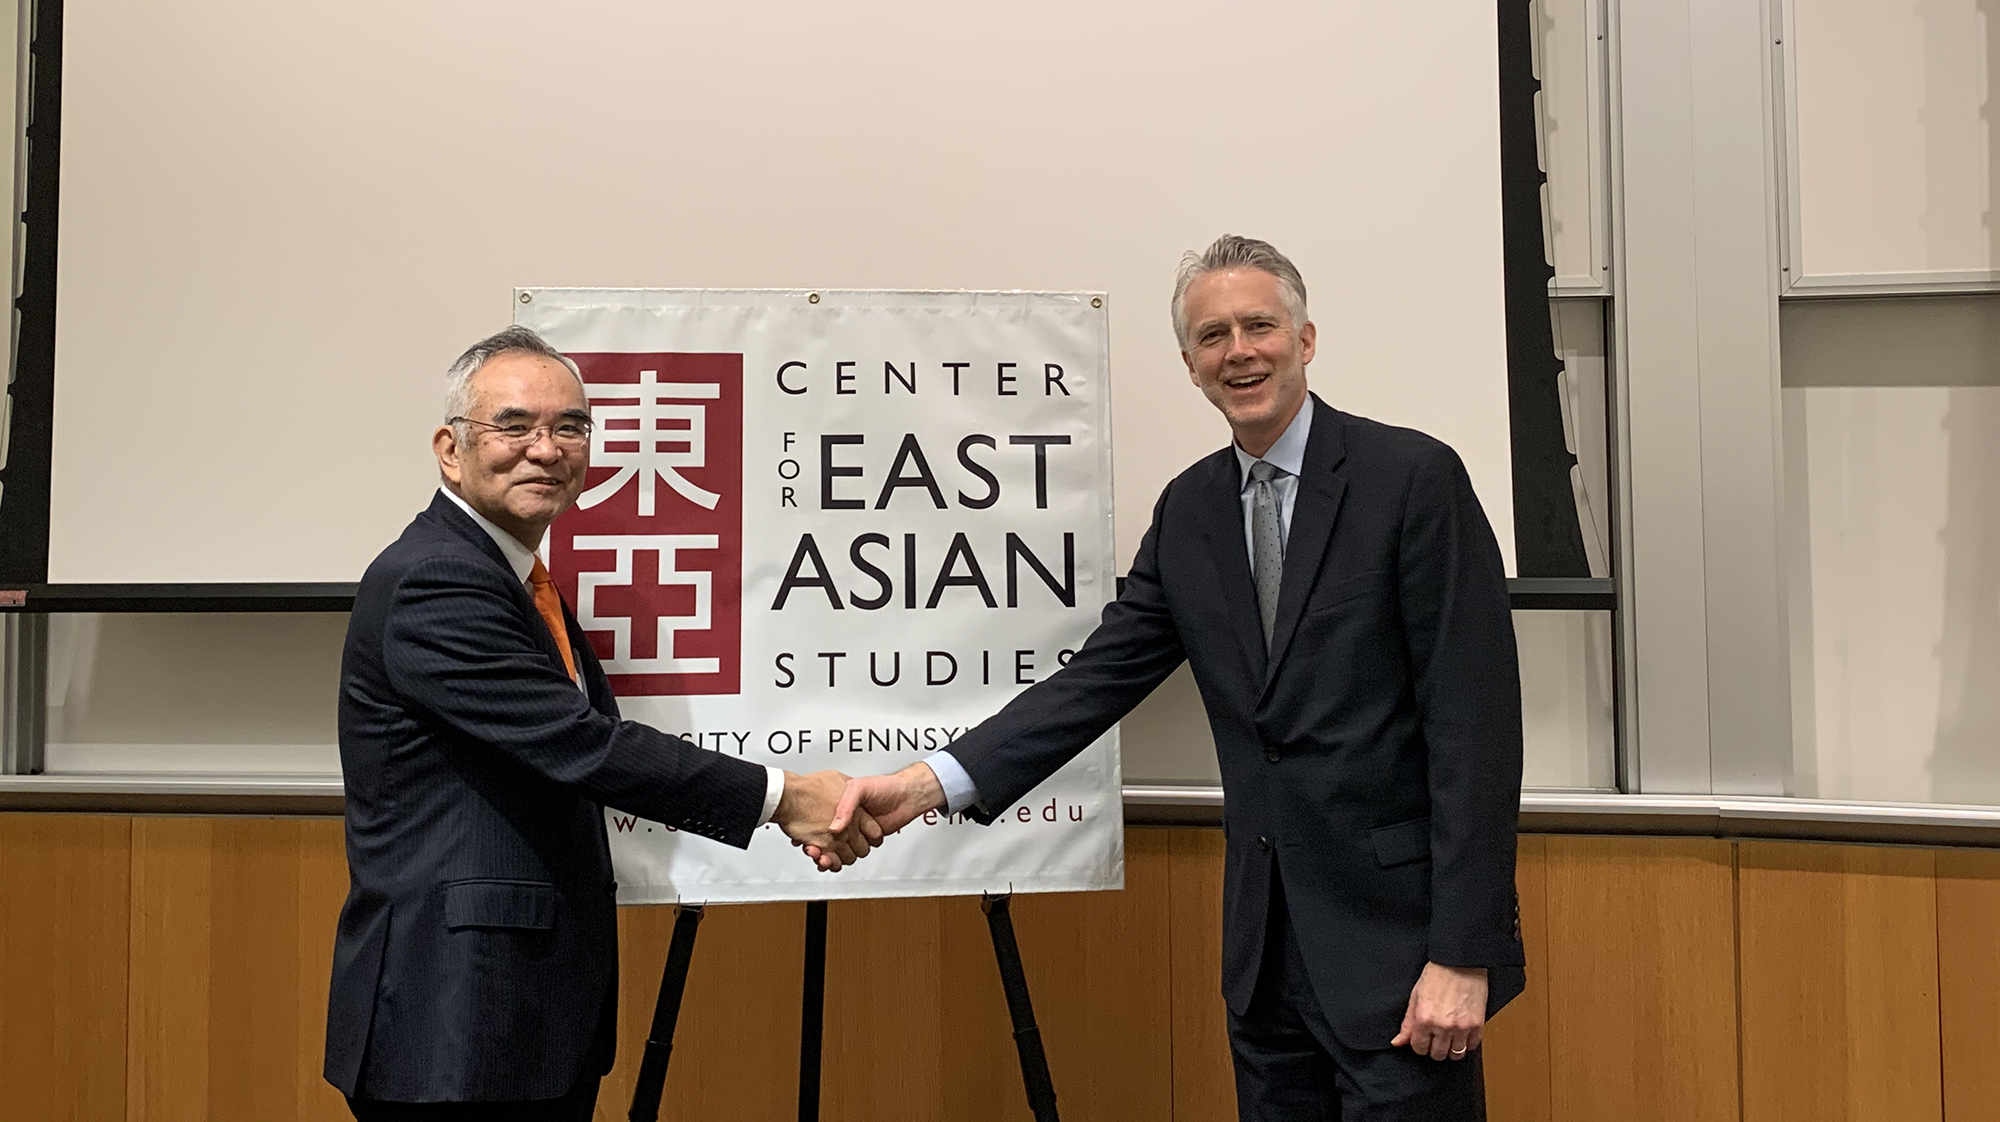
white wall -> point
(1892, 414)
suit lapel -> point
(461, 523)
(447, 512)
(597, 685)
(1313, 514)
(1222, 529)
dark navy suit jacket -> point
(1372, 758)
(476, 957)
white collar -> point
(1288, 453)
(519, 556)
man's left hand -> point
(1447, 1010)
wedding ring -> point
(1458, 1051)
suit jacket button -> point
(1263, 843)
(1271, 754)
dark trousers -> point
(577, 1106)
(1291, 1068)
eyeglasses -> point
(569, 436)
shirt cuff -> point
(959, 791)
(774, 789)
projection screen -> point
(279, 223)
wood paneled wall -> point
(175, 968)
(65, 907)
(231, 952)
(1840, 963)
(1642, 979)
(1968, 942)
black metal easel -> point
(812, 1013)
(1027, 1038)
(667, 1010)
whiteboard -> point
(1890, 157)
(281, 222)
(138, 694)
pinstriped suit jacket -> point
(476, 956)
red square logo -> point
(651, 556)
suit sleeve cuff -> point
(774, 789)
(959, 791)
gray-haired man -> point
(475, 967)
(1336, 588)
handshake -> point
(837, 820)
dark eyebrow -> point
(580, 415)
(510, 415)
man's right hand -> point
(805, 807)
(890, 801)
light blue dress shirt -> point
(1288, 455)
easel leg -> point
(660, 1039)
(812, 1011)
(1028, 1038)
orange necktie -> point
(549, 603)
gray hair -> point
(514, 340)
(1233, 251)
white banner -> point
(835, 530)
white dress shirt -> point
(522, 560)
(1288, 455)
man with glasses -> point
(475, 963)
